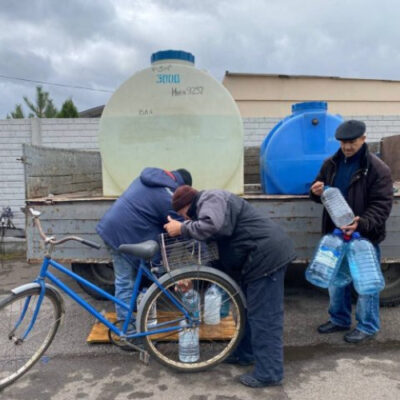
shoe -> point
(356, 336)
(250, 381)
(330, 327)
(236, 360)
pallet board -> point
(223, 331)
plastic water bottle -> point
(152, 321)
(343, 277)
(191, 301)
(337, 207)
(364, 266)
(212, 305)
(326, 260)
(225, 304)
(189, 348)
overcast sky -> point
(98, 44)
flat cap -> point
(350, 130)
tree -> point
(68, 110)
(17, 113)
(44, 107)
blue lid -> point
(337, 232)
(355, 235)
(172, 55)
(309, 106)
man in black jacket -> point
(365, 182)
(255, 252)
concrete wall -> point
(82, 134)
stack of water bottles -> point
(216, 306)
(340, 259)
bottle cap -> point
(337, 232)
(355, 235)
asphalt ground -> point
(321, 367)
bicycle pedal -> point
(144, 356)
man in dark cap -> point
(366, 184)
(138, 215)
(255, 252)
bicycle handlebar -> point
(52, 240)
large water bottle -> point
(326, 260)
(343, 277)
(212, 305)
(189, 348)
(225, 304)
(191, 301)
(337, 207)
(364, 266)
(152, 320)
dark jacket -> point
(141, 211)
(250, 245)
(370, 194)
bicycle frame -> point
(44, 273)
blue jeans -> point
(367, 308)
(263, 336)
(125, 271)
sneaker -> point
(356, 336)
(330, 327)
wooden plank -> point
(223, 331)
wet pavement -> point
(317, 366)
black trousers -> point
(263, 338)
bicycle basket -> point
(177, 252)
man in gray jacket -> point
(255, 252)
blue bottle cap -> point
(172, 55)
(310, 106)
(337, 232)
(355, 235)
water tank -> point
(172, 115)
(292, 153)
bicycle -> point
(31, 315)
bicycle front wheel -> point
(18, 353)
(216, 340)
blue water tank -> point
(292, 153)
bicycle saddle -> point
(145, 250)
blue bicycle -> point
(31, 315)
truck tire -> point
(390, 296)
(101, 275)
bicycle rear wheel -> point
(216, 341)
(18, 355)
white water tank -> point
(172, 116)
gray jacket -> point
(250, 245)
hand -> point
(349, 229)
(183, 285)
(317, 188)
(173, 227)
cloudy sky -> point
(98, 44)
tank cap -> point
(310, 106)
(172, 55)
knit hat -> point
(186, 176)
(183, 196)
(350, 130)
